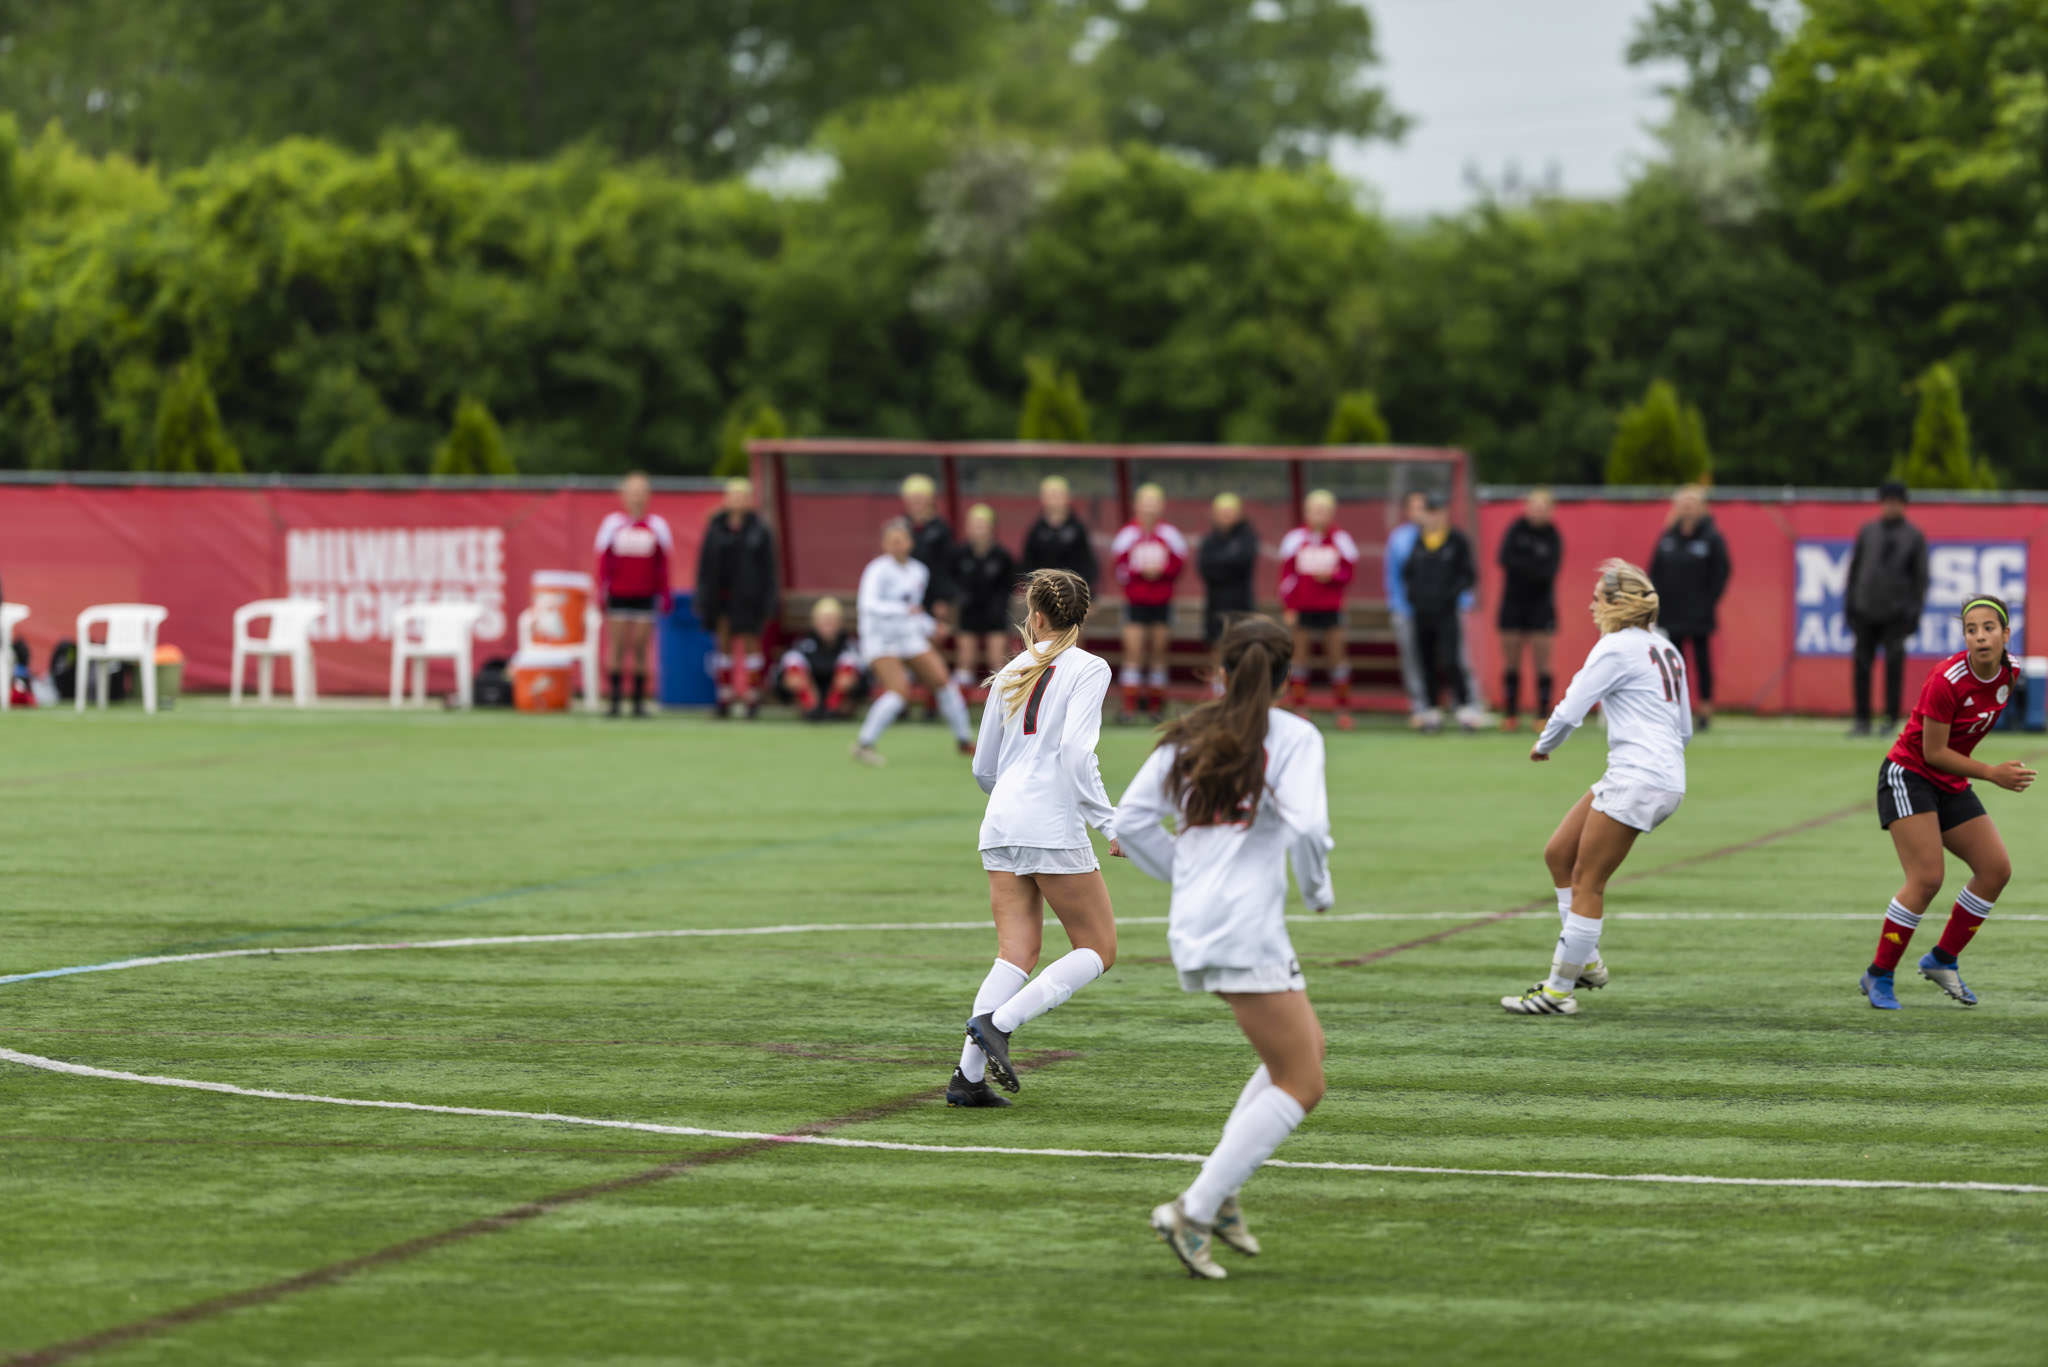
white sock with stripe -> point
(1002, 983)
(1066, 976)
(884, 710)
(1256, 1128)
(1578, 946)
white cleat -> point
(1231, 1229)
(1593, 974)
(1189, 1241)
(868, 755)
(1541, 1001)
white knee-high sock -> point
(1067, 975)
(1258, 1082)
(1564, 912)
(1001, 984)
(953, 708)
(1578, 946)
(1255, 1129)
(881, 712)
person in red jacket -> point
(633, 550)
(1317, 562)
(1150, 554)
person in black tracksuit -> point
(737, 590)
(1530, 554)
(985, 578)
(1690, 569)
(1887, 590)
(1228, 559)
(931, 544)
(1058, 540)
(1439, 571)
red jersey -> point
(1968, 704)
(632, 557)
(1147, 563)
(1315, 569)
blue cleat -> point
(1878, 987)
(1947, 977)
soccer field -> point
(673, 948)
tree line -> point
(1844, 227)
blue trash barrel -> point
(686, 649)
(2035, 670)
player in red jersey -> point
(1924, 799)
(633, 550)
(1150, 554)
(1317, 562)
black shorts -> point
(1148, 614)
(1319, 621)
(739, 619)
(981, 620)
(1902, 793)
(1530, 614)
(1216, 621)
(630, 607)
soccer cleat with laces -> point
(1947, 977)
(1593, 974)
(1231, 1229)
(961, 1092)
(1878, 987)
(1189, 1241)
(1541, 1001)
(996, 1045)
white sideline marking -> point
(51, 1065)
(858, 927)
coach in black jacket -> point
(1228, 558)
(1439, 572)
(1058, 540)
(1887, 588)
(1690, 569)
(931, 544)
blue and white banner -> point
(1957, 571)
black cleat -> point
(961, 1092)
(996, 1044)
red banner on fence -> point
(1758, 660)
(203, 552)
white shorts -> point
(900, 641)
(1273, 977)
(1635, 804)
(1036, 859)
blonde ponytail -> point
(1625, 598)
(1064, 600)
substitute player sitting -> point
(1925, 800)
(822, 671)
(1639, 681)
(1150, 554)
(896, 641)
(633, 550)
(1244, 784)
(1317, 562)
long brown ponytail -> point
(1064, 599)
(1219, 762)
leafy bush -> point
(751, 419)
(474, 446)
(1356, 421)
(1053, 407)
(189, 438)
(1660, 441)
(1940, 455)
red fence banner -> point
(204, 551)
(1780, 641)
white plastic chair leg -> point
(302, 677)
(82, 680)
(147, 669)
(419, 680)
(465, 680)
(266, 677)
(235, 681)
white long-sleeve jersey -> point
(1038, 765)
(1638, 678)
(890, 607)
(1230, 882)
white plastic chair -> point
(11, 615)
(433, 631)
(131, 638)
(586, 653)
(290, 637)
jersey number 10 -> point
(1671, 668)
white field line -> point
(864, 927)
(835, 1142)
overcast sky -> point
(1490, 83)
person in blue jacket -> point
(1400, 545)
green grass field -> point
(156, 1224)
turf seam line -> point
(893, 1146)
(510, 1218)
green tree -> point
(1725, 49)
(189, 437)
(1940, 455)
(1356, 421)
(1659, 441)
(474, 445)
(1053, 407)
(753, 418)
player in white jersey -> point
(1243, 781)
(1036, 762)
(896, 640)
(1638, 679)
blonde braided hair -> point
(1064, 598)
(1625, 598)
